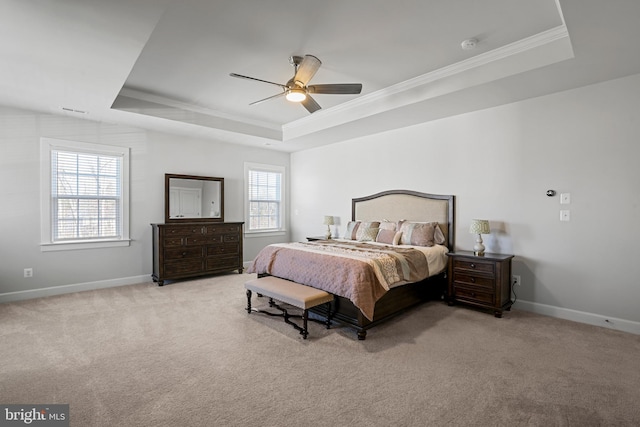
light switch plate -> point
(565, 198)
(565, 215)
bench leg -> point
(305, 318)
(248, 301)
(328, 322)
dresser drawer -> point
(473, 265)
(229, 249)
(172, 241)
(473, 295)
(183, 230)
(202, 240)
(221, 263)
(227, 238)
(473, 280)
(186, 266)
(222, 229)
(183, 252)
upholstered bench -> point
(292, 293)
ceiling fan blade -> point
(307, 69)
(337, 89)
(240, 76)
(310, 104)
(269, 98)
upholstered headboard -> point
(396, 205)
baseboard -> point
(580, 316)
(67, 289)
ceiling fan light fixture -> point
(296, 95)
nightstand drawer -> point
(472, 265)
(473, 295)
(474, 280)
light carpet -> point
(188, 354)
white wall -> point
(152, 155)
(499, 163)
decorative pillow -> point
(390, 237)
(418, 233)
(352, 228)
(364, 226)
(388, 225)
(397, 237)
(438, 236)
(385, 236)
(367, 234)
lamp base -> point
(327, 235)
(478, 248)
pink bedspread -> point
(361, 272)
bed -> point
(373, 281)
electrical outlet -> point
(28, 272)
(515, 279)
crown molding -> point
(156, 99)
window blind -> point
(265, 197)
(86, 196)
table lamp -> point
(479, 227)
(328, 221)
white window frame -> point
(283, 184)
(47, 145)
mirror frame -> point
(167, 179)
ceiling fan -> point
(297, 89)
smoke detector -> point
(469, 44)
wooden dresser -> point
(482, 281)
(195, 249)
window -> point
(84, 195)
(265, 208)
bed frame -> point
(395, 205)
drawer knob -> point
(473, 265)
(184, 254)
(473, 280)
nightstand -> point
(481, 281)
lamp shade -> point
(328, 220)
(479, 226)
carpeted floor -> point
(187, 354)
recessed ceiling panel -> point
(198, 43)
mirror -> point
(193, 198)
